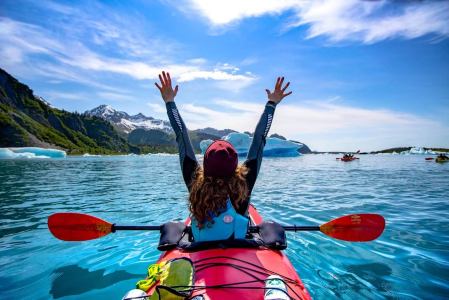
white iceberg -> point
(91, 155)
(274, 147)
(418, 150)
(30, 152)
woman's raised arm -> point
(255, 152)
(186, 153)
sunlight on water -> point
(410, 260)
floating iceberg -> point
(30, 152)
(273, 147)
(204, 144)
(161, 154)
(91, 155)
(418, 150)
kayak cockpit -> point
(178, 235)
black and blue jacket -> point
(189, 163)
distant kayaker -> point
(219, 191)
(442, 156)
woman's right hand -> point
(167, 92)
(279, 92)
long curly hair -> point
(208, 195)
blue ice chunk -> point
(281, 148)
(204, 144)
(31, 152)
(240, 141)
(274, 147)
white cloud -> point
(60, 8)
(60, 74)
(229, 11)
(20, 41)
(197, 61)
(98, 24)
(249, 61)
(372, 21)
(115, 96)
(190, 75)
(198, 116)
(324, 126)
(53, 95)
(338, 20)
(157, 108)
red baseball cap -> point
(220, 159)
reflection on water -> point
(409, 261)
(75, 280)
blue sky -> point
(364, 74)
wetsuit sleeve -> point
(255, 152)
(186, 153)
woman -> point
(219, 192)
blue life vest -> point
(224, 225)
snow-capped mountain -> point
(128, 123)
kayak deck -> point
(239, 273)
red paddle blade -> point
(355, 228)
(77, 227)
(429, 158)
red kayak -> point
(237, 269)
(238, 273)
(347, 158)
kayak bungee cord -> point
(267, 271)
(224, 286)
(234, 285)
(263, 271)
(238, 285)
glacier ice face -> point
(274, 147)
(30, 152)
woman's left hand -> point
(279, 92)
(167, 92)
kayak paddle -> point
(82, 227)
(429, 158)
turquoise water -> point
(409, 261)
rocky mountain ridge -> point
(127, 123)
(28, 120)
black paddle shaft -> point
(289, 228)
(251, 228)
(301, 228)
(142, 227)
